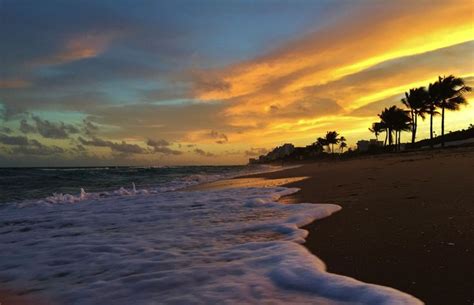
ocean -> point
(18, 184)
(132, 235)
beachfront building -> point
(253, 161)
(277, 153)
(365, 145)
(281, 152)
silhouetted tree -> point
(332, 138)
(342, 146)
(431, 104)
(395, 120)
(322, 143)
(402, 122)
(377, 128)
(451, 96)
(386, 118)
(415, 100)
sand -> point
(407, 220)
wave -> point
(235, 246)
(173, 184)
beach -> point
(407, 220)
(406, 225)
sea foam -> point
(235, 246)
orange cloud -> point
(79, 47)
(317, 82)
(13, 83)
(363, 39)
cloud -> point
(10, 112)
(158, 72)
(172, 122)
(89, 128)
(158, 143)
(13, 83)
(203, 153)
(25, 127)
(254, 152)
(23, 145)
(5, 129)
(120, 147)
(332, 70)
(161, 146)
(48, 129)
(85, 45)
(220, 138)
(13, 140)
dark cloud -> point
(13, 140)
(203, 153)
(120, 147)
(79, 148)
(221, 138)
(161, 146)
(6, 130)
(52, 130)
(25, 127)
(10, 112)
(23, 145)
(157, 143)
(89, 128)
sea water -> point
(163, 245)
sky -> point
(143, 82)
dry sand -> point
(407, 220)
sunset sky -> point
(140, 82)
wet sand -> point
(407, 220)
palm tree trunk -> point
(431, 129)
(386, 137)
(395, 142)
(415, 127)
(399, 143)
(442, 126)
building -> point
(277, 153)
(280, 152)
(365, 145)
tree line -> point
(332, 138)
(447, 93)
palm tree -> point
(322, 142)
(402, 122)
(342, 146)
(415, 100)
(386, 118)
(332, 137)
(395, 119)
(451, 90)
(377, 128)
(431, 104)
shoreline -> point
(407, 220)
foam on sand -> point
(233, 246)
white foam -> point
(173, 185)
(235, 246)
